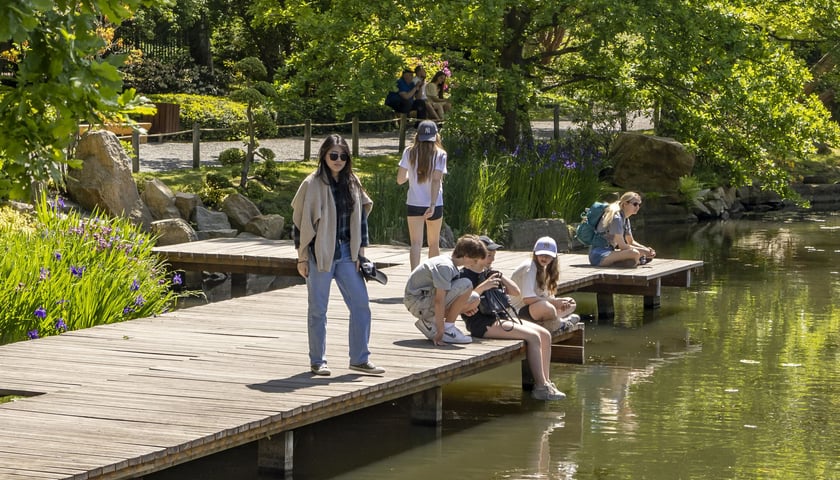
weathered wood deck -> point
(127, 399)
(278, 257)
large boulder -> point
(159, 199)
(268, 226)
(104, 182)
(524, 233)
(187, 203)
(172, 231)
(239, 210)
(205, 219)
(646, 163)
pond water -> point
(737, 377)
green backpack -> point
(587, 230)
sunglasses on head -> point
(335, 156)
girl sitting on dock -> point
(622, 250)
(537, 338)
(537, 281)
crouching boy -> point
(436, 296)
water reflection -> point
(737, 377)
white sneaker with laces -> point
(427, 329)
(547, 393)
(451, 334)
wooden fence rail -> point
(307, 135)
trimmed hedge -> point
(225, 116)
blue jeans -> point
(353, 290)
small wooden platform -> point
(277, 257)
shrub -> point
(232, 156)
(219, 118)
(214, 189)
(66, 272)
(267, 172)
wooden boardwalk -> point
(123, 400)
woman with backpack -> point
(617, 247)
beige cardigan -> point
(314, 215)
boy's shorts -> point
(423, 306)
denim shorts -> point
(598, 254)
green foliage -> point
(66, 272)
(61, 76)
(215, 188)
(267, 172)
(232, 156)
(226, 118)
(175, 75)
(688, 188)
(386, 223)
(487, 188)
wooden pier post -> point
(276, 454)
(427, 407)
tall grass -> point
(547, 179)
(64, 272)
(486, 188)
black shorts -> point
(415, 211)
(525, 313)
(478, 323)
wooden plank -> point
(154, 392)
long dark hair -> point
(347, 181)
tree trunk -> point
(509, 101)
(249, 153)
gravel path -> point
(176, 155)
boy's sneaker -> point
(547, 392)
(368, 368)
(451, 334)
(427, 329)
(322, 370)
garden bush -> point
(226, 118)
(232, 156)
(64, 272)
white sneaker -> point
(427, 329)
(451, 334)
(547, 393)
(574, 318)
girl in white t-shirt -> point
(537, 280)
(423, 166)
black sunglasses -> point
(335, 156)
(635, 204)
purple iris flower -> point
(40, 312)
(32, 334)
(60, 325)
(177, 280)
(135, 285)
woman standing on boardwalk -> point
(622, 250)
(423, 166)
(330, 212)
